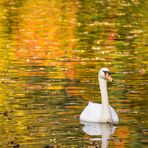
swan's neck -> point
(106, 115)
(104, 93)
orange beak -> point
(108, 77)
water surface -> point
(50, 54)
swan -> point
(102, 113)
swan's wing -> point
(114, 115)
(91, 113)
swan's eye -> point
(108, 75)
(107, 72)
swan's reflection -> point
(104, 130)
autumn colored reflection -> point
(46, 37)
(46, 33)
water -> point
(50, 54)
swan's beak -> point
(108, 77)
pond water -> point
(50, 54)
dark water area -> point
(50, 55)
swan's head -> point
(104, 73)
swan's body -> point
(93, 113)
(103, 113)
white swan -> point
(103, 113)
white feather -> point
(95, 112)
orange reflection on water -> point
(46, 37)
(46, 34)
(123, 134)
